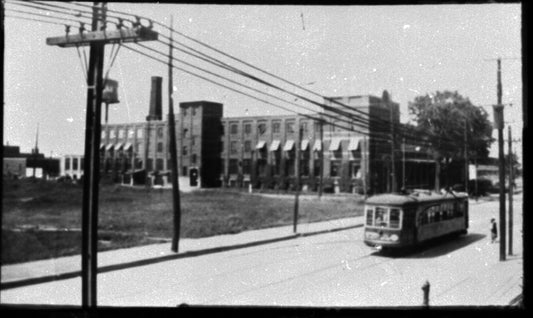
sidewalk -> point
(35, 272)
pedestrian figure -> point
(493, 230)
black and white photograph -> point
(347, 156)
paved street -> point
(329, 269)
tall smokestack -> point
(156, 110)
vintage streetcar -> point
(406, 220)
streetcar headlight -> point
(394, 237)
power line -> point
(233, 69)
(37, 20)
(222, 64)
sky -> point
(408, 50)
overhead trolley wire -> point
(231, 68)
(315, 118)
(370, 118)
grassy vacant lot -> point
(43, 219)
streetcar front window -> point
(381, 217)
(384, 217)
(369, 217)
(395, 218)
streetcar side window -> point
(395, 218)
(369, 216)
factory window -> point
(159, 164)
(335, 168)
(276, 127)
(289, 127)
(185, 171)
(185, 132)
(139, 132)
(159, 147)
(248, 129)
(261, 128)
(184, 151)
(67, 163)
(160, 132)
(234, 129)
(304, 167)
(246, 166)
(303, 126)
(194, 158)
(103, 135)
(121, 133)
(111, 134)
(247, 146)
(74, 163)
(184, 111)
(233, 166)
(130, 134)
(316, 168)
(233, 147)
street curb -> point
(154, 260)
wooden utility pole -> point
(511, 181)
(403, 163)
(321, 159)
(364, 164)
(91, 170)
(96, 39)
(466, 157)
(173, 152)
(393, 160)
(498, 120)
(297, 183)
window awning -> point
(260, 144)
(127, 146)
(274, 146)
(335, 144)
(109, 146)
(304, 144)
(289, 144)
(118, 146)
(317, 146)
(102, 146)
(354, 143)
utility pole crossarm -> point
(137, 34)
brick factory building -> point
(214, 151)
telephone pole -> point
(96, 39)
(510, 192)
(321, 156)
(466, 156)
(403, 163)
(92, 164)
(173, 152)
(393, 160)
(297, 183)
(498, 120)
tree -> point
(443, 118)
